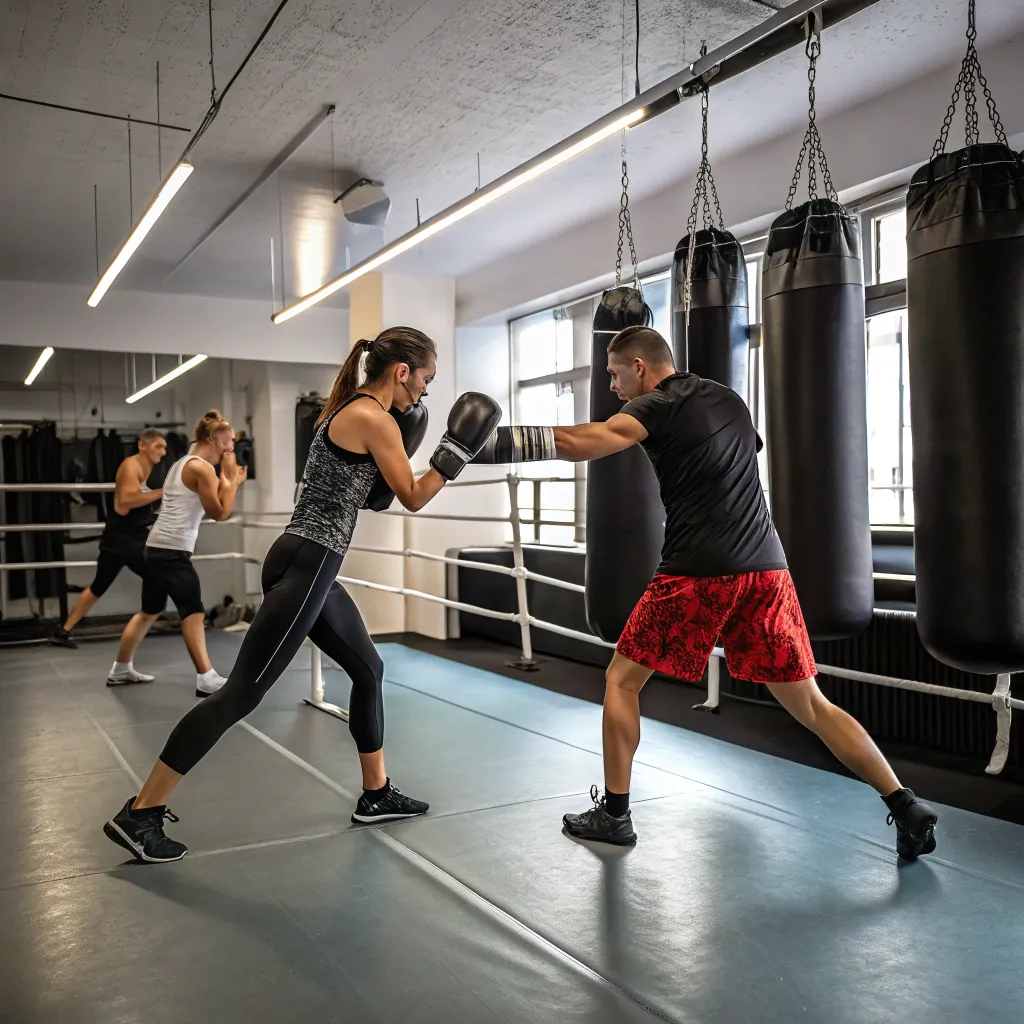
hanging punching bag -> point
(816, 399)
(625, 516)
(965, 292)
(718, 343)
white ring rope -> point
(999, 699)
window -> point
(551, 368)
(890, 447)
(551, 353)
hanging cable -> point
(131, 193)
(213, 75)
(216, 102)
(636, 64)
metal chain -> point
(967, 84)
(812, 149)
(626, 233)
(705, 195)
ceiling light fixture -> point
(166, 378)
(44, 358)
(182, 169)
(771, 37)
(167, 192)
(477, 201)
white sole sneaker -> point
(214, 687)
(129, 679)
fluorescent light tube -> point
(44, 357)
(470, 205)
(167, 192)
(166, 378)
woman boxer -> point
(355, 438)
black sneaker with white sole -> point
(141, 833)
(390, 805)
(915, 824)
(60, 637)
(600, 826)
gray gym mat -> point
(761, 890)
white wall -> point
(48, 314)
(874, 145)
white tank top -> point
(181, 512)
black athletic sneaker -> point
(141, 833)
(915, 824)
(392, 806)
(62, 638)
(597, 824)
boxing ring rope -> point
(999, 699)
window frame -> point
(887, 297)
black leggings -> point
(300, 598)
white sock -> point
(206, 677)
(120, 666)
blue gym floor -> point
(760, 891)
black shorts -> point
(117, 553)
(174, 572)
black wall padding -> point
(625, 516)
(307, 410)
(552, 604)
(719, 336)
(815, 395)
(965, 290)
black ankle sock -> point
(616, 804)
(376, 794)
(898, 799)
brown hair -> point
(212, 423)
(644, 343)
(394, 345)
(149, 435)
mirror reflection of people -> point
(191, 491)
(122, 546)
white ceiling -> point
(420, 86)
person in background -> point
(191, 490)
(122, 546)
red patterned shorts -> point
(676, 623)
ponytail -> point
(394, 345)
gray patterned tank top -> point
(334, 487)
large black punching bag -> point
(625, 516)
(965, 291)
(815, 395)
(718, 343)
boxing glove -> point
(470, 423)
(518, 444)
(413, 425)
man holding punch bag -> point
(723, 575)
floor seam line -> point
(383, 836)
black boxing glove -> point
(413, 425)
(518, 444)
(470, 423)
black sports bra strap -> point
(356, 397)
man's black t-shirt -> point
(704, 449)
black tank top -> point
(134, 524)
(335, 484)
